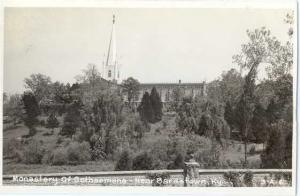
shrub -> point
(78, 153)
(124, 163)
(248, 179)
(59, 157)
(142, 162)
(52, 122)
(233, 178)
(97, 148)
(158, 179)
(178, 163)
(33, 153)
(13, 149)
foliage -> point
(233, 178)
(31, 111)
(142, 162)
(278, 152)
(248, 179)
(78, 153)
(229, 115)
(145, 108)
(13, 149)
(106, 109)
(12, 107)
(52, 122)
(59, 157)
(97, 148)
(33, 153)
(72, 120)
(177, 95)
(178, 162)
(209, 156)
(124, 163)
(259, 124)
(131, 86)
(134, 129)
(156, 105)
(39, 84)
(90, 75)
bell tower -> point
(111, 66)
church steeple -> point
(111, 67)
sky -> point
(153, 45)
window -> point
(109, 73)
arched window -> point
(109, 73)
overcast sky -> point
(153, 45)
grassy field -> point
(233, 153)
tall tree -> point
(145, 109)
(156, 104)
(31, 112)
(40, 85)
(245, 108)
(131, 86)
(90, 75)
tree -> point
(40, 85)
(259, 124)
(90, 75)
(229, 115)
(72, 120)
(52, 122)
(12, 107)
(245, 108)
(131, 86)
(124, 163)
(145, 109)
(278, 152)
(31, 112)
(156, 104)
(230, 86)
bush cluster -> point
(73, 153)
(33, 153)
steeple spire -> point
(111, 62)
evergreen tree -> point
(31, 111)
(72, 120)
(52, 122)
(145, 109)
(156, 104)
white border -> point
(258, 4)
